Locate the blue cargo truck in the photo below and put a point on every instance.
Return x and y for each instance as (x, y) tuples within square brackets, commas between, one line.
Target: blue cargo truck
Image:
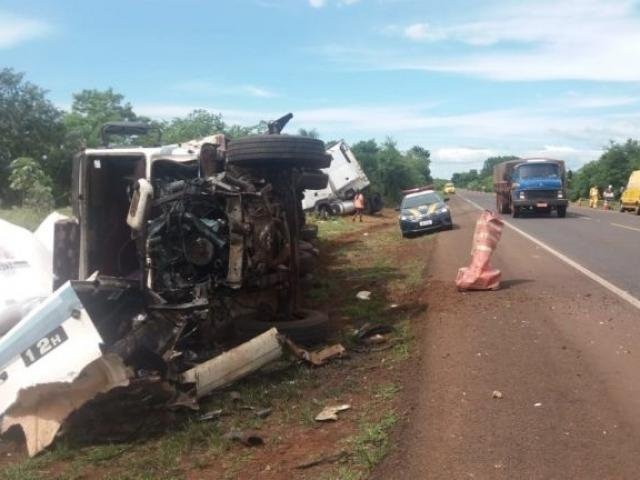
[(534, 184)]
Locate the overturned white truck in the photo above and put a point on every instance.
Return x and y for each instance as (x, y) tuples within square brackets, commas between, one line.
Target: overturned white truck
[(174, 253), (344, 177)]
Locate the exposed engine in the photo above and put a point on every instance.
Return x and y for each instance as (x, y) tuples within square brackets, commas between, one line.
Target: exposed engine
[(215, 232)]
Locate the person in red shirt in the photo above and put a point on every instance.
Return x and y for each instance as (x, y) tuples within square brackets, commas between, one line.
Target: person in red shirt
[(358, 203)]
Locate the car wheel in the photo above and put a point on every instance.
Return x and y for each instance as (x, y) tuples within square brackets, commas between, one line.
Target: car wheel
[(306, 328), (562, 212), (269, 151)]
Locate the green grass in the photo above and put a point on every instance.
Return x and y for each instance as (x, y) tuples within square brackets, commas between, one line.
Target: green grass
[(336, 226), (28, 217), (368, 448)]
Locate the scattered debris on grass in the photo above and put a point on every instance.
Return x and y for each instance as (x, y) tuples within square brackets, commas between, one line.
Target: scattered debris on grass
[(331, 413), (363, 295)]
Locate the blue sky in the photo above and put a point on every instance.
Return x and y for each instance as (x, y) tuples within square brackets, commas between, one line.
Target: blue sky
[(466, 79)]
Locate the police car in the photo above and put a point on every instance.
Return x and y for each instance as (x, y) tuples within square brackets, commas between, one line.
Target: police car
[(422, 211)]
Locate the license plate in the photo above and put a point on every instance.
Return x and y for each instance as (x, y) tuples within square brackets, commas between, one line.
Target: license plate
[(43, 346), (541, 205), (426, 223)]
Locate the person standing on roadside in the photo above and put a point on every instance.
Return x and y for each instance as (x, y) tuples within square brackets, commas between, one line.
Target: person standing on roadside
[(593, 197), (358, 203), (608, 196)]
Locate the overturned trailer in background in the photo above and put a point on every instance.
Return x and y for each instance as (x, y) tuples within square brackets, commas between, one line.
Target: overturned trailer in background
[(341, 180), (175, 253)]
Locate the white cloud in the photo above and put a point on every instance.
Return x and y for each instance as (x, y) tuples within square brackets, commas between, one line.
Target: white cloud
[(258, 91), (323, 3), (15, 29), (422, 31), (461, 155), (203, 87), (530, 40)]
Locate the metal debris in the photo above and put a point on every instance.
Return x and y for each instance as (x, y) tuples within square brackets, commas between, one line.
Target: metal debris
[(263, 413), (212, 415), (234, 364), (363, 295), (317, 358), (331, 413), (369, 330)]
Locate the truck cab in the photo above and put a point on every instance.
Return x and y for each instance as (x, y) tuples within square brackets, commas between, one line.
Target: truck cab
[(346, 177), (531, 185)]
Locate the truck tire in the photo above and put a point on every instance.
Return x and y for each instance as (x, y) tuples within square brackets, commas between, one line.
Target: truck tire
[(313, 180), (562, 212), (516, 212), (277, 151), (374, 203), (309, 327)]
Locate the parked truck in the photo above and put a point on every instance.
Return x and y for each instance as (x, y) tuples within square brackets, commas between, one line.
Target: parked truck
[(345, 178), (534, 184), (630, 199)]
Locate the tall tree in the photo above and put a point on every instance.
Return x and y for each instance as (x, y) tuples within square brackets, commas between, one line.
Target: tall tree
[(30, 125), (423, 157), (91, 109), (198, 123), (312, 133)]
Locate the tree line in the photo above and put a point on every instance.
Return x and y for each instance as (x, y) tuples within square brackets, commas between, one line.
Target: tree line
[(38, 141), (613, 167)]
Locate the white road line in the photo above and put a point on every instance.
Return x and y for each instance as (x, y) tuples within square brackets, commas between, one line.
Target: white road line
[(585, 271), (626, 226)]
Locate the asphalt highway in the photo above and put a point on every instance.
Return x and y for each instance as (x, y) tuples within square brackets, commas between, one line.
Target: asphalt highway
[(538, 380), (605, 242)]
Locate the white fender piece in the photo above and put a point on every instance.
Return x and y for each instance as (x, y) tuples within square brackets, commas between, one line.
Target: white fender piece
[(50, 365), (235, 363)]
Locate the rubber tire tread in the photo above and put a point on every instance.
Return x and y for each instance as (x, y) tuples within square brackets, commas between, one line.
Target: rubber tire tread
[(309, 330), (278, 150)]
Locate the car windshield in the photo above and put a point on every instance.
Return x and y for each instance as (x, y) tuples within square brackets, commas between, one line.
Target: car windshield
[(538, 170), (419, 200)]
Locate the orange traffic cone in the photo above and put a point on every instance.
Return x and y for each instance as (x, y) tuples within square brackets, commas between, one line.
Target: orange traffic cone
[(480, 275)]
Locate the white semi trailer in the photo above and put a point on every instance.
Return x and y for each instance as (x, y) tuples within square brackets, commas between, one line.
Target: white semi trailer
[(346, 177)]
